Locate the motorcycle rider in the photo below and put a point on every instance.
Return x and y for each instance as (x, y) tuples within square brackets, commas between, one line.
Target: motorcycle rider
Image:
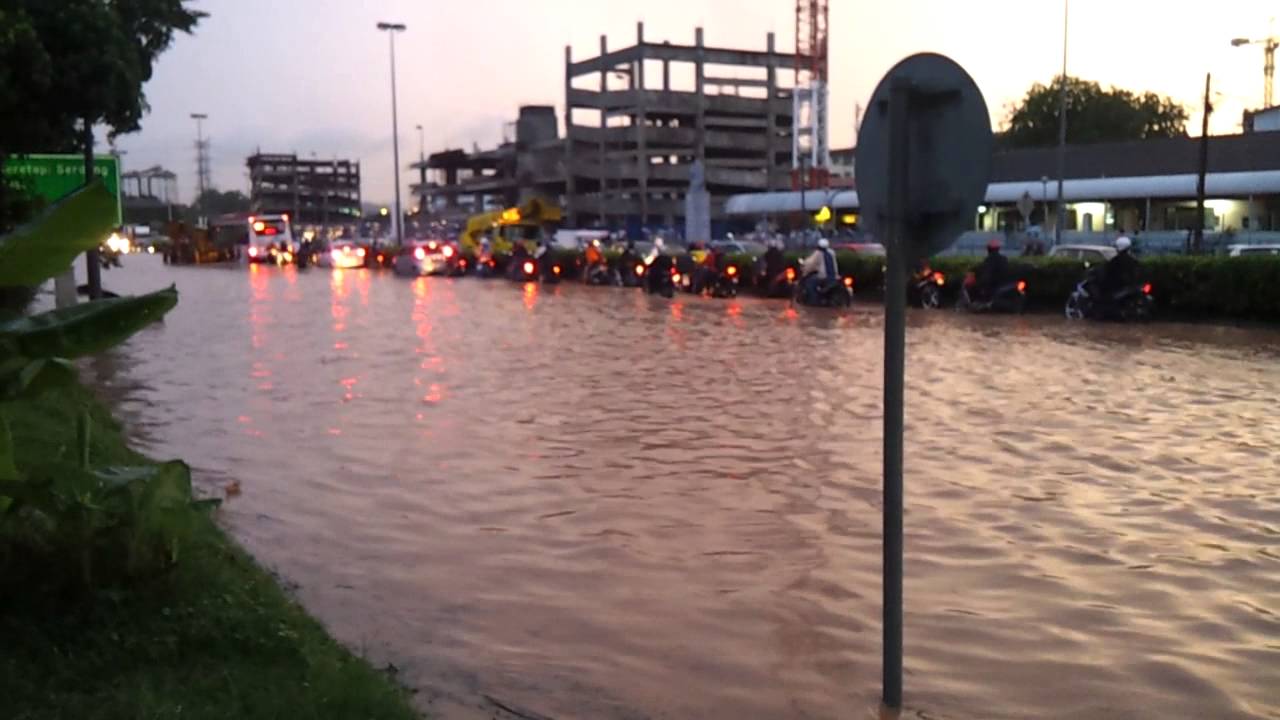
[(991, 272), (1121, 271), (775, 266), (659, 264), (595, 261), (819, 269)]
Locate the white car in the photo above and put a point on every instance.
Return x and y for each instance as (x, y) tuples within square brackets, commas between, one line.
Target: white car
[(1086, 253), (344, 255), (425, 258), (1252, 250)]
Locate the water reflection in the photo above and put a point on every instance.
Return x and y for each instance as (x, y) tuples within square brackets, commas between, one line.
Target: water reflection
[(620, 506)]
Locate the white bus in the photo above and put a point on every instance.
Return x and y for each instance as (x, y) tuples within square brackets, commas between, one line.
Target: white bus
[(271, 239)]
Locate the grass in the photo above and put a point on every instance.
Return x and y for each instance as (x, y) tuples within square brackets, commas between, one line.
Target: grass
[(214, 638)]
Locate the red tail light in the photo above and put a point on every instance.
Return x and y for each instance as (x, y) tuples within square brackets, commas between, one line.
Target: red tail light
[(639, 270), (731, 270), (675, 273), (1146, 289), (360, 252), (462, 263), (253, 251), (791, 274), (448, 251), (940, 279), (848, 282), (555, 269), (528, 267), (379, 257), (420, 254), (1022, 286), (335, 254), (432, 245)]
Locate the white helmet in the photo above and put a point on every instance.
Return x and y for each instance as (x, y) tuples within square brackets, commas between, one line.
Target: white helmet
[(1123, 243), (823, 243), (658, 243)]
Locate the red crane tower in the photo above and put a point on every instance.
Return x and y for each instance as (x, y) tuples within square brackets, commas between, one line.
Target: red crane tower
[(810, 153)]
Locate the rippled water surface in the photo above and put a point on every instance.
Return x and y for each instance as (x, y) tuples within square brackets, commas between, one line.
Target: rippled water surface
[(588, 503)]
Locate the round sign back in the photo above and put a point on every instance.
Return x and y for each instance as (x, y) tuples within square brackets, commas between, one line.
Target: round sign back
[(949, 144)]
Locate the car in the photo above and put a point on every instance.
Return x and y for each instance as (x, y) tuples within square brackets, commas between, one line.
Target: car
[(739, 247), (343, 254), (1085, 253), (860, 248), (1252, 250), (429, 257)]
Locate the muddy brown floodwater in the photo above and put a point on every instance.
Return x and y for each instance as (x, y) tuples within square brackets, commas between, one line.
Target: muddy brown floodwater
[(588, 503)]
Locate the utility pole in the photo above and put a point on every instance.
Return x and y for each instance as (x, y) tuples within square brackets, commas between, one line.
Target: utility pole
[(1061, 222), (391, 30), (93, 263), (1197, 242)]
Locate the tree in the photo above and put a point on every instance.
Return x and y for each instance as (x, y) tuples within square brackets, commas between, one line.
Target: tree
[(1093, 115), (213, 202), (92, 58)]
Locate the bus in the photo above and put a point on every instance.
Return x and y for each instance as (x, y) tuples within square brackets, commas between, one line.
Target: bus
[(271, 239)]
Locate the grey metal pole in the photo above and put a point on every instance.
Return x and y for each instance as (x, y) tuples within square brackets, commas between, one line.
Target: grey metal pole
[(395, 143), (1062, 129), (92, 259), (895, 337)]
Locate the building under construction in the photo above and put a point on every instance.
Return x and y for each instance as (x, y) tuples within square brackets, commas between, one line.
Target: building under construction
[(313, 192), (636, 120)]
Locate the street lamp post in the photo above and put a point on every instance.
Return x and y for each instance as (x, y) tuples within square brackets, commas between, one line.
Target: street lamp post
[(1062, 129), (391, 30)]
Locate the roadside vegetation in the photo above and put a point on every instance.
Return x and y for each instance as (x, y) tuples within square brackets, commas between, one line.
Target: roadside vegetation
[(121, 598)]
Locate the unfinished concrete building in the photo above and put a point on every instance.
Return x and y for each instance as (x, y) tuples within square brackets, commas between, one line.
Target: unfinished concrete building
[(314, 192), (637, 118)]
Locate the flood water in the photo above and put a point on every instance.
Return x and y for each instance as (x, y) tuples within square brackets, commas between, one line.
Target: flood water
[(589, 503)]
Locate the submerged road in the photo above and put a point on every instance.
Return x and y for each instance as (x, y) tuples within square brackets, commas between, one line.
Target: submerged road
[(590, 503)]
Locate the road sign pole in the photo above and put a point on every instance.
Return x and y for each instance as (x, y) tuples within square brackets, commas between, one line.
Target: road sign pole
[(895, 334)]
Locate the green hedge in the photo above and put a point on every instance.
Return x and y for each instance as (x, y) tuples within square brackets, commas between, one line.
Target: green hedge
[(1245, 288)]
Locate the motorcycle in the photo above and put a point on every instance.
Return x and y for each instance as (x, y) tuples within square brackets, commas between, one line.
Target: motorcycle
[(601, 274), (486, 266), (724, 284), (633, 275), (662, 281), (455, 263), (1007, 298), (1131, 304), (783, 286), (830, 293), (523, 270), (926, 289)]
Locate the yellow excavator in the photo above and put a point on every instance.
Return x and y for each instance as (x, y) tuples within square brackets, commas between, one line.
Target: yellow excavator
[(509, 225)]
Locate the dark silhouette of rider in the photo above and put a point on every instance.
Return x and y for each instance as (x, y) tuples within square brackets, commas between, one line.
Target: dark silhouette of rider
[(991, 273)]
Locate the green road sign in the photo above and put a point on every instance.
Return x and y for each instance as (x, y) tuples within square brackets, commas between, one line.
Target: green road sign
[(53, 177)]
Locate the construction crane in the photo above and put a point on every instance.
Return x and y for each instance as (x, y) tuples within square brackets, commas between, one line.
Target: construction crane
[(1269, 45), (810, 152)]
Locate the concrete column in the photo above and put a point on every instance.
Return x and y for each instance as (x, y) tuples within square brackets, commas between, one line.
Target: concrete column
[(700, 85), (570, 189), (1146, 217), (771, 88), (642, 130), (604, 124)]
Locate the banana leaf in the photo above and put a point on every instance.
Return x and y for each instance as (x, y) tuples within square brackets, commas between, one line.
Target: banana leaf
[(48, 244), (86, 328), (33, 377)]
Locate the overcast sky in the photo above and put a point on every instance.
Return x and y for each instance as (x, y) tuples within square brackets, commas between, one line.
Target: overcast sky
[(312, 76)]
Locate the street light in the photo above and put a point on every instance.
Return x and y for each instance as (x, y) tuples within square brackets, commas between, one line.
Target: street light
[(391, 30), (1062, 129)]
